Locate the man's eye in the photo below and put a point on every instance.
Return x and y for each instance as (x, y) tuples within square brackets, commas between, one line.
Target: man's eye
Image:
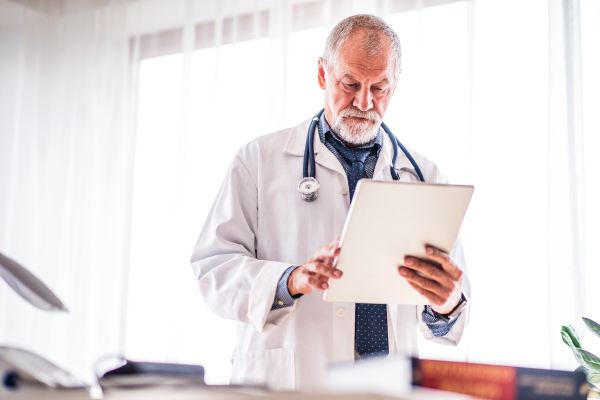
[(379, 89), (352, 85)]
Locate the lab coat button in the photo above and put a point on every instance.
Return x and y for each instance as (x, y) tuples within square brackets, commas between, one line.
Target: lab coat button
[(341, 312), (280, 302), (344, 191)]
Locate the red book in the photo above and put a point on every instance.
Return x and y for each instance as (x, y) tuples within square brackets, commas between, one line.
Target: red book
[(499, 382)]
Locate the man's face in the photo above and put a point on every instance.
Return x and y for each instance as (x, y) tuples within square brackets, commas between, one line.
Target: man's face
[(358, 90)]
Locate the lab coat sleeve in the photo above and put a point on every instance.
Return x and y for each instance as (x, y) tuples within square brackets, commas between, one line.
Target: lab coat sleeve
[(232, 281)]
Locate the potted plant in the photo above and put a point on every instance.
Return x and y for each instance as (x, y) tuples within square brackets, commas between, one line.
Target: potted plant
[(589, 363)]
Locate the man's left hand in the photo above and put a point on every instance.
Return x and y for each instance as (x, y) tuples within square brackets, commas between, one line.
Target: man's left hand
[(441, 286)]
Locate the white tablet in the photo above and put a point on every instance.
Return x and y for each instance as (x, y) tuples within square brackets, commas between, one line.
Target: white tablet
[(386, 222)]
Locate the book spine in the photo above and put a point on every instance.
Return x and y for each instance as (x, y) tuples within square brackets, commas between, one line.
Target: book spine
[(555, 385), (498, 382)]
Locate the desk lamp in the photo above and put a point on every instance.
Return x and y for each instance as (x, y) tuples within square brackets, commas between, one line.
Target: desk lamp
[(28, 286)]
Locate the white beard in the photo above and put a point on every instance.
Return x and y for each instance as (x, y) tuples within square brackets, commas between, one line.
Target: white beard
[(357, 133)]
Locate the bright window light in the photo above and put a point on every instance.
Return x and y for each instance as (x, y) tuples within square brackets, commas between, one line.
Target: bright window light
[(190, 127)]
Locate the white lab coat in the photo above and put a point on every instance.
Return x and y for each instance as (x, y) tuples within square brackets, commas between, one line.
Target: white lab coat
[(257, 228)]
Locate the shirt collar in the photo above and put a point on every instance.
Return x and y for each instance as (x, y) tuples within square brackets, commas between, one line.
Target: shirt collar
[(324, 128)]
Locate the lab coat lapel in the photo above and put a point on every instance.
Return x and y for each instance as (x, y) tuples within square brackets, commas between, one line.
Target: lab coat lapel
[(326, 158), (297, 141)]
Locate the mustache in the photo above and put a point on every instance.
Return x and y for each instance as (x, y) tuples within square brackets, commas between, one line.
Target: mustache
[(355, 113)]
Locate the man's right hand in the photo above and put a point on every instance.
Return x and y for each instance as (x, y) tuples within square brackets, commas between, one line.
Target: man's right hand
[(315, 273)]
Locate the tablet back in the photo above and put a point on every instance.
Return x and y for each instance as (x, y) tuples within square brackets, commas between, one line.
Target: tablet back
[(386, 222)]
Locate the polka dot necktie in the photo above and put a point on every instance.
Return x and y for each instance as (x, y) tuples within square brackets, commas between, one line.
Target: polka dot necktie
[(355, 157), (371, 328)]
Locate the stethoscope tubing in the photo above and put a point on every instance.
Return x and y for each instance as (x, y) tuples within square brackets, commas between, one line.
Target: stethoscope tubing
[(309, 153), (396, 143)]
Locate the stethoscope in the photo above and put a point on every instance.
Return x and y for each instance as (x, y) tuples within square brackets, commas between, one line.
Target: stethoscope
[(309, 185)]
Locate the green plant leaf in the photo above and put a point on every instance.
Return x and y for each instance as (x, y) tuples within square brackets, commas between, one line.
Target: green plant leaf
[(593, 378), (567, 339), (587, 359), (592, 326), (575, 335), (569, 336)]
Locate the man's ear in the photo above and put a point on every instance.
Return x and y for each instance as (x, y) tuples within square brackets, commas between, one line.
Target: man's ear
[(321, 74), (396, 83)]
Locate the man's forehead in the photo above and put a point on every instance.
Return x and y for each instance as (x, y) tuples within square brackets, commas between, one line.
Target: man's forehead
[(357, 58)]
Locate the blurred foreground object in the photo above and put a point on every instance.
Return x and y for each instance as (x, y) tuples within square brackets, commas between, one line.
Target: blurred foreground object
[(21, 368), (500, 382), (384, 378), (34, 377), (142, 374), (389, 376), (28, 286)]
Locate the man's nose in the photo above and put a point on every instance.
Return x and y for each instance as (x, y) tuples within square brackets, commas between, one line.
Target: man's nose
[(363, 100)]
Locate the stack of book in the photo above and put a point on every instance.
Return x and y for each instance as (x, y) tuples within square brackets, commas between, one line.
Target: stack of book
[(499, 382)]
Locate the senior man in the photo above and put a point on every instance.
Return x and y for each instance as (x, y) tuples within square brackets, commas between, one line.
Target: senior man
[(261, 259)]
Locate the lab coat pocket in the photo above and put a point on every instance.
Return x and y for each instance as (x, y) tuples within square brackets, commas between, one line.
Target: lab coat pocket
[(274, 368)]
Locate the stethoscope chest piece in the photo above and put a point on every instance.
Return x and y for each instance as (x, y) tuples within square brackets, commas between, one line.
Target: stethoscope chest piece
[(308, 188)]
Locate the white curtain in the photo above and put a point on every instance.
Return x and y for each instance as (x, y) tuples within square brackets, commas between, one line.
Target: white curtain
[(118, 120), (66, 159), (566, 186)]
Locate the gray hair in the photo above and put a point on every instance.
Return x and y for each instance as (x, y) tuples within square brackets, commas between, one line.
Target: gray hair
[(374, 28)]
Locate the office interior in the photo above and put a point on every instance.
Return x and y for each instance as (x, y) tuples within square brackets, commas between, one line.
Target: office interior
[(119, 119)]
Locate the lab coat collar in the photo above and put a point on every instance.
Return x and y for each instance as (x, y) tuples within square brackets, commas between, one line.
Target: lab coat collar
[(297, 139), (297, 142)]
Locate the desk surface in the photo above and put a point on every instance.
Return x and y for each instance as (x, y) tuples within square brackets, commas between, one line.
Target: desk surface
[(220, 393)]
